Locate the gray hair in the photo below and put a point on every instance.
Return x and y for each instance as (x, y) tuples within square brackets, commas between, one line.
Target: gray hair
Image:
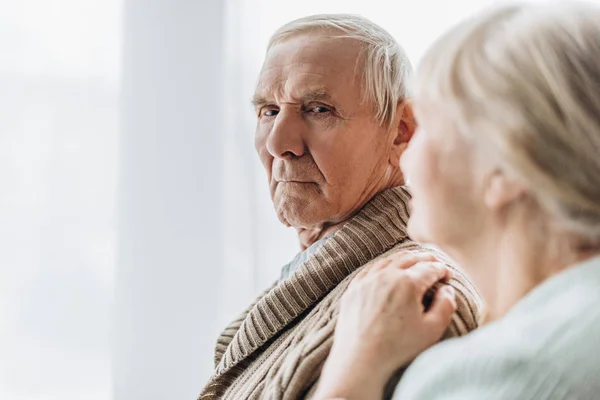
[(525, 84), (386, 70)]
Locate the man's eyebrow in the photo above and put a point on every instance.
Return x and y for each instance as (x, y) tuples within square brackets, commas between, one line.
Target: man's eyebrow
[(259, 100), (321, 94)]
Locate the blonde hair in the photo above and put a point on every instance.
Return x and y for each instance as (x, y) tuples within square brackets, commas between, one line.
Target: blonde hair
[(386, 69), (524, 82)]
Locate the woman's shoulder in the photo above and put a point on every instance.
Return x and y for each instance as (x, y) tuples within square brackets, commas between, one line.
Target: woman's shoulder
[(548, 346), (495, 364)]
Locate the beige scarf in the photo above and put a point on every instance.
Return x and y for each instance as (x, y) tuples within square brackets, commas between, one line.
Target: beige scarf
[(277, 347)]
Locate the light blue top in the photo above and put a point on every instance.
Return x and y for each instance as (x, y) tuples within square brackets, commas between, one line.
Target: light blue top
[(293, 265), (546, 347)]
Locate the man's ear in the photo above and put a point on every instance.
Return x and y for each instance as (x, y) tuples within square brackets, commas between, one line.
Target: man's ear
[(403, 130)]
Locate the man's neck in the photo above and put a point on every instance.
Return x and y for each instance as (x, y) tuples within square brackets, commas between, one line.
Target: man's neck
[(308, 237)]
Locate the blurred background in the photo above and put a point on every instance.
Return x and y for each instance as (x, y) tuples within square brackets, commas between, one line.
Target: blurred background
[(135, 218)]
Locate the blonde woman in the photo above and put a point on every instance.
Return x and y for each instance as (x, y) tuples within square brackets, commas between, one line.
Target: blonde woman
[(505, 174)]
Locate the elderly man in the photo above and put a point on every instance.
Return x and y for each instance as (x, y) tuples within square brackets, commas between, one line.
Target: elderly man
[(332, 124)]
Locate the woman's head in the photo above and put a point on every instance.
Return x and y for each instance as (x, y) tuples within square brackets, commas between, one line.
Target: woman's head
[(508, 105)]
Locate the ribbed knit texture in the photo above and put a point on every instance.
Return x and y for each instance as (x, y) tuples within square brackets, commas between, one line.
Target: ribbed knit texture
[(277, 347)]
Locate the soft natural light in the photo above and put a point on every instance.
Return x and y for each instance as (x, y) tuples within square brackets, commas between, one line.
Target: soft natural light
[(65, 99), (59, 73)]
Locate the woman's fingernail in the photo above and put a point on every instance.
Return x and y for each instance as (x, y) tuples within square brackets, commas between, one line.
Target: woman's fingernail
[(451, 292)]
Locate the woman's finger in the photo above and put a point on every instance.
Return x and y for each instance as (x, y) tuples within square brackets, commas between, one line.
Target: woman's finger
[(409, 260), (379, 265), (441, 310), (358, 277), (427, 274)]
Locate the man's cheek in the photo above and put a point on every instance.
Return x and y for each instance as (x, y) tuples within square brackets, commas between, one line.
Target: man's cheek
[(260, 139), (265, 158)]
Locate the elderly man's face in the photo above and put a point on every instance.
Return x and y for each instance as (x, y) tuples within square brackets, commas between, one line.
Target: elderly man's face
[(324, 153)]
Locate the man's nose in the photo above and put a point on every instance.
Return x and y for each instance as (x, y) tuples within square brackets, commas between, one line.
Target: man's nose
[(285, 138)]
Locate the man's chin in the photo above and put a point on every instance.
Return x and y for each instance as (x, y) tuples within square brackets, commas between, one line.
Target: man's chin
[(301, 218)]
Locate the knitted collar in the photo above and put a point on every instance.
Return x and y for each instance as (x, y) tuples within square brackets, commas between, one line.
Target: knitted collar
[(379, 226)]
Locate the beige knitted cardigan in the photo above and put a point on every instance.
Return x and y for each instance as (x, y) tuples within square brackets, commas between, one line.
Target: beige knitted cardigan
[(277, 347)]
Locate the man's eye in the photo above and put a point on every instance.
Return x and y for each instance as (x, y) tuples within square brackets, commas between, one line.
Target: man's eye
[(269, 112), (320, 109)]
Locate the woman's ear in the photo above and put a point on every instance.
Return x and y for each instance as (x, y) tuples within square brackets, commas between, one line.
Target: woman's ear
[(500, 191), (403, 130)]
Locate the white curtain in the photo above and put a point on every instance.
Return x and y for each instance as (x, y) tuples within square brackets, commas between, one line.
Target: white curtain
[(59, 82), (135, 219)]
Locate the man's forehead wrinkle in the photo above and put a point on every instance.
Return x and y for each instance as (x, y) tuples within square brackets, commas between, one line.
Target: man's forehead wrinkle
[(314, 94), (294, 87), (323, 69), (296, 94)]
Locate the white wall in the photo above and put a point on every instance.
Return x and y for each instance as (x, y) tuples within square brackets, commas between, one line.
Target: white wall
[(169, 199), (59, 67)]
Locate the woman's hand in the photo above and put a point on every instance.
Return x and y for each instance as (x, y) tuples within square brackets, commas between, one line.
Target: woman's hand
[(383, 324)]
